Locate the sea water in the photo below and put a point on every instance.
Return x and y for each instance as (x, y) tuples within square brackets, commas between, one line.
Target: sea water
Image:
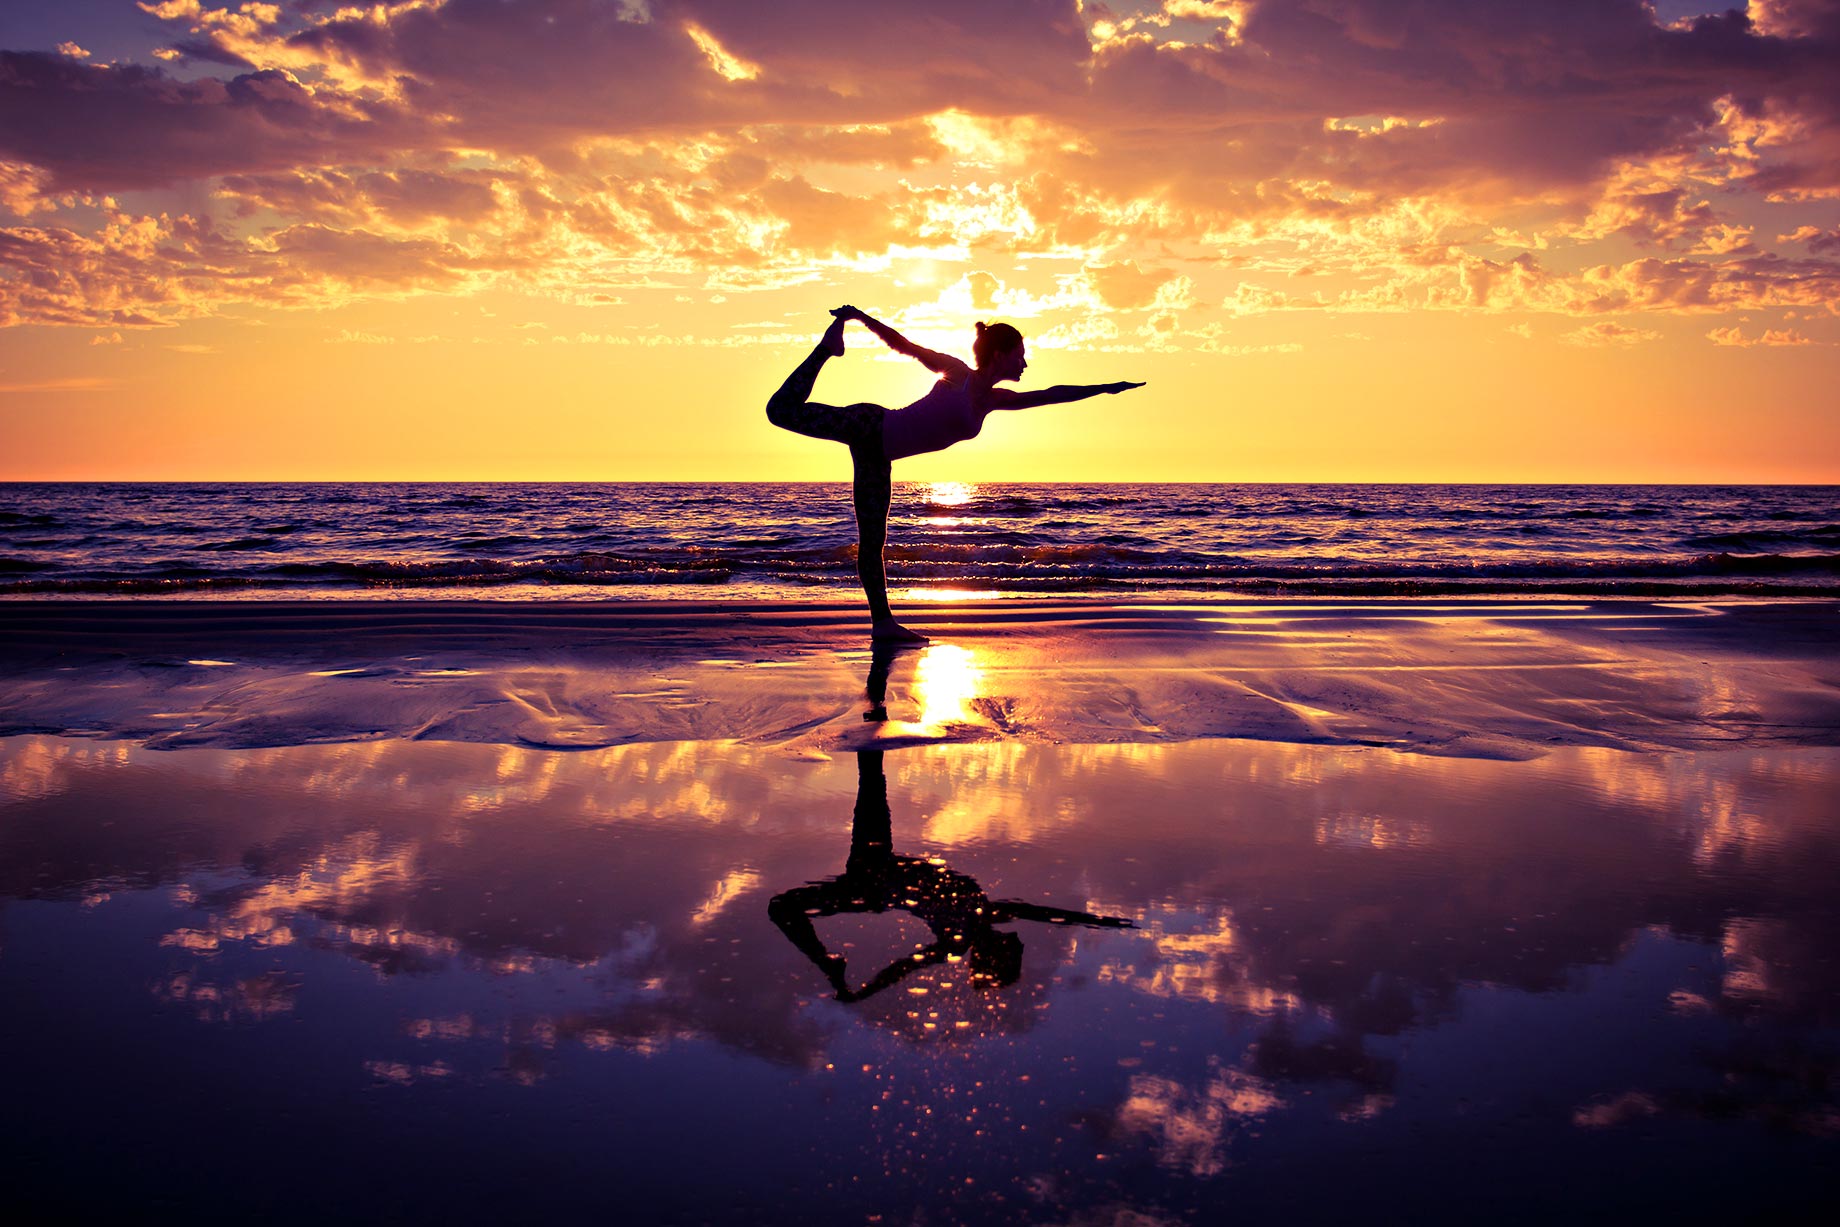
[(786, 540)]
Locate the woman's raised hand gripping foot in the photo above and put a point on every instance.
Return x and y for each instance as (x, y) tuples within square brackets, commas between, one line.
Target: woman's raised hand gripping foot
[(832, 340)]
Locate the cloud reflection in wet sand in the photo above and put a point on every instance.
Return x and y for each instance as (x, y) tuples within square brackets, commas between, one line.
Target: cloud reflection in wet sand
[(1323, 932)]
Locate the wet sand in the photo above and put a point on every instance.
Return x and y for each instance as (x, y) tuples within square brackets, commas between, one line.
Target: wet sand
[(1474, 679), (1082, 913)]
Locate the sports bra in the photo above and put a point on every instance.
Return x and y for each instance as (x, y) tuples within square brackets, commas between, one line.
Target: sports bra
[(944, 416)]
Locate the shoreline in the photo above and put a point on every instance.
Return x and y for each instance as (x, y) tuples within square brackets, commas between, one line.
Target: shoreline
[(746, 592)]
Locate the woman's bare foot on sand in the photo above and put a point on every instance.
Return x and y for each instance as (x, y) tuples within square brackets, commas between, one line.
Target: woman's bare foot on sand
[(890, 631), (833, 336)]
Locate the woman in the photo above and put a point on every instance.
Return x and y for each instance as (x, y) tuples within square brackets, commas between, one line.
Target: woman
[(953, 411)]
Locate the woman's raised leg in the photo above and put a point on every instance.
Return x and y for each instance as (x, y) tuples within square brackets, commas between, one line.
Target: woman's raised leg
[(872, 490), (783, 404)]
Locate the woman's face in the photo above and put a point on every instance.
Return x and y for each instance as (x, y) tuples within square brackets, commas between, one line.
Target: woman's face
[(1011, 363)]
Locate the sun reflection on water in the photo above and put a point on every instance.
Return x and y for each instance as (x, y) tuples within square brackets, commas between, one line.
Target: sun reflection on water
[(948, 595), (946, 680), (950, 493), (945, 494)]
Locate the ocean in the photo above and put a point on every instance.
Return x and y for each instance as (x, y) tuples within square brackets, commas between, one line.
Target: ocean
[(785, 540)]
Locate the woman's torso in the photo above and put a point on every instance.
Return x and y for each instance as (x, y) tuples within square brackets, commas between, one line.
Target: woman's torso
[(944, 416)]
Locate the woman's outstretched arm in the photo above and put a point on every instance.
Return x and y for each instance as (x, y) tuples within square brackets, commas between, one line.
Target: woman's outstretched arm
[(1060, 394), (944, 364)]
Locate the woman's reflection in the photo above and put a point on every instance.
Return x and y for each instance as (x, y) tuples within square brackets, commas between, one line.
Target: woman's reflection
[(963, 919)]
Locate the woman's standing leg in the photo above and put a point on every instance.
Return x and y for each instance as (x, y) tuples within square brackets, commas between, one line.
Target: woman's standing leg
[(873, 489)]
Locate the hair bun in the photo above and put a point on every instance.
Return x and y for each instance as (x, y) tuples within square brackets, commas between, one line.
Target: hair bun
[(981, 326)]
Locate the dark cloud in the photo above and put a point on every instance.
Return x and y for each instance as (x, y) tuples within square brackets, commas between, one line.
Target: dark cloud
[(1510, 101), (111, 127), (209, 52), (536, 76), (1825, 243), (1525, 97)]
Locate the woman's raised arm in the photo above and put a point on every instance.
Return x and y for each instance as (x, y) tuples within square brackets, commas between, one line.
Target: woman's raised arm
[(1060, 394), (944, 364)]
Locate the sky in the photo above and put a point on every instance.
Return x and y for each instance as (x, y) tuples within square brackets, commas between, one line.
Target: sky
[(1342, 240)]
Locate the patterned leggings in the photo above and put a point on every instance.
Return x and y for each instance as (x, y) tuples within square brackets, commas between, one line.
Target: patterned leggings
[(859, 427)]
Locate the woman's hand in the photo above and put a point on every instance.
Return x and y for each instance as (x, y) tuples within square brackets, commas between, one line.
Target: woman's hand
[(1121, 386), (847, 312)]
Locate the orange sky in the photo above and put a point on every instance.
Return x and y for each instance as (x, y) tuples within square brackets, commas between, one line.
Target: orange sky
[(584, 239)]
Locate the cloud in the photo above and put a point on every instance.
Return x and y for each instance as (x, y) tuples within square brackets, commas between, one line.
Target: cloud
[(358, 258), (1500, 102), (141, 271), (822, 223), (25, 190), (727, 66), (1770, 336), (1095, 332), (1820, 242), (1125, 285), (113, 127), (404, 197), (1605, 332), (1445, 155)]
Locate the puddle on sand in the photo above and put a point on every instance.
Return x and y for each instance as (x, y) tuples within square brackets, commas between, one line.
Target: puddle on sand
[(976, 983)]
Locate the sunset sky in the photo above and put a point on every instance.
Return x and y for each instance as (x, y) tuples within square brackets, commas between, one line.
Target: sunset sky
[(1367, 240)]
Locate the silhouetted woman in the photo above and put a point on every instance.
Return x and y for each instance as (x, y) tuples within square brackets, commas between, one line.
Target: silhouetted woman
[(954, 410)]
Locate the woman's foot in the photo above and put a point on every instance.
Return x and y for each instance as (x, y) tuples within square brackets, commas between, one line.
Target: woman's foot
[(832, 341), (887, 630)]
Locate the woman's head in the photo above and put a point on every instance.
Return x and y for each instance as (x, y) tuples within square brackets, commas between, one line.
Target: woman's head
[(998, 344)]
